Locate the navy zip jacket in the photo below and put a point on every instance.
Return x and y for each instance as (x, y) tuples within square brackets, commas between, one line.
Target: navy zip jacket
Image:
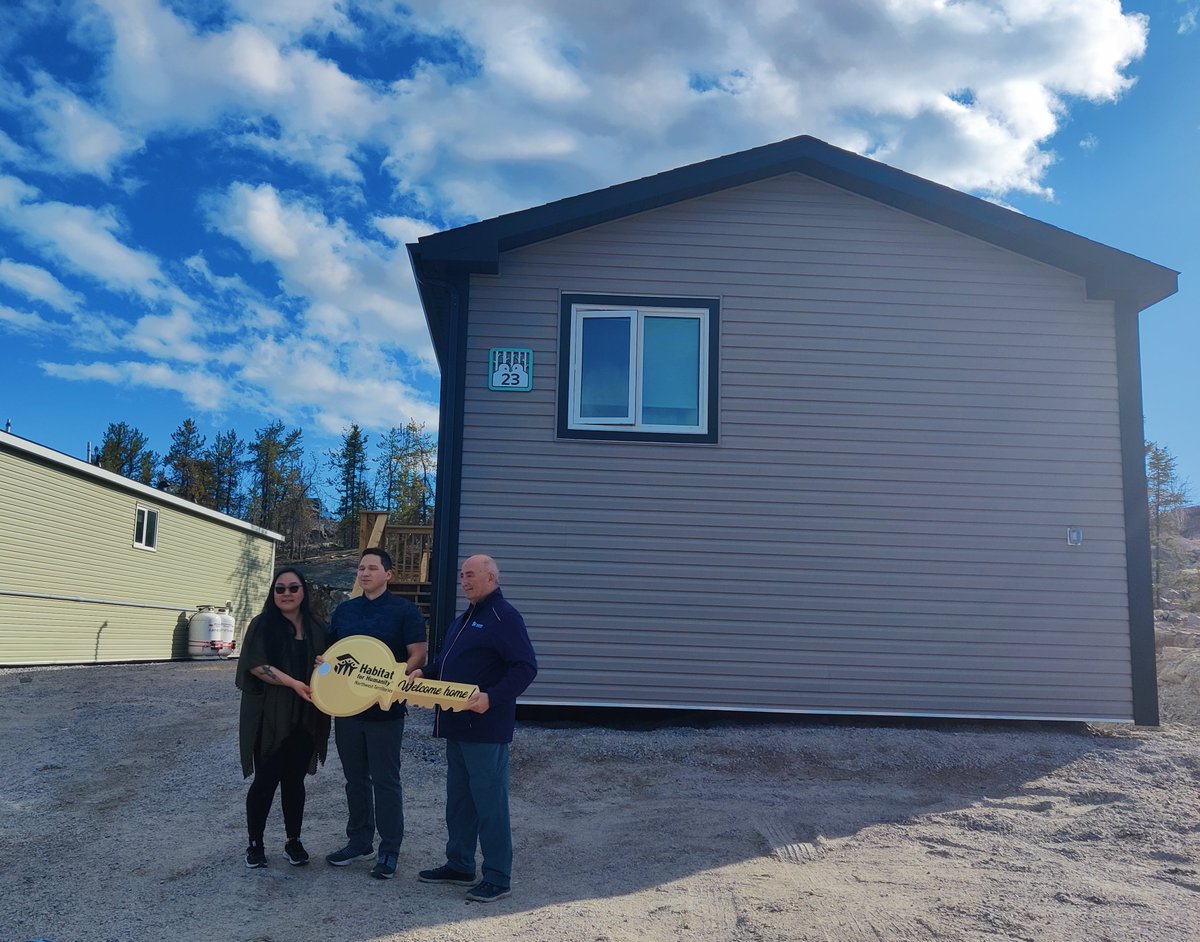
[(487, 645)]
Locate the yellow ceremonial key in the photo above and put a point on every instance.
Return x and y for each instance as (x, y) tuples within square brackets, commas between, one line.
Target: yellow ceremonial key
[(359, 672)]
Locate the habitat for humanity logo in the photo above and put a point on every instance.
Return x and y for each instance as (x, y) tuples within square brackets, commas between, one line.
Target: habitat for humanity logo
[(346, 665)]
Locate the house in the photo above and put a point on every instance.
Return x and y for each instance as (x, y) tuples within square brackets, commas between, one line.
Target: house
[(98, 567), (792, 430)]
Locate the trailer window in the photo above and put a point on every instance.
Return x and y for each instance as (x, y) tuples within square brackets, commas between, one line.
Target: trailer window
[(145, 528)]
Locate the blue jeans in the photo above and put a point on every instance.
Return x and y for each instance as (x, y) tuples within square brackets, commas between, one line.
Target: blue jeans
[(477, 809), (370, 754)]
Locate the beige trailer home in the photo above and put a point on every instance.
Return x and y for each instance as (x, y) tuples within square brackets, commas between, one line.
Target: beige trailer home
[(97, 567)]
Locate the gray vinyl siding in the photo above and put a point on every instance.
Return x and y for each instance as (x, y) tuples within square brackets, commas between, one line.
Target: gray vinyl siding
[(74, 588), (909, 421)]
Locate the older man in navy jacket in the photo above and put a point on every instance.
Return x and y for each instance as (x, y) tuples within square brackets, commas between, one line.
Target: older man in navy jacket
[(487, 646)]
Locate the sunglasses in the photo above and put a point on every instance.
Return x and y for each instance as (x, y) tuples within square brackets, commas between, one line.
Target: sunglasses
[(290, 589)]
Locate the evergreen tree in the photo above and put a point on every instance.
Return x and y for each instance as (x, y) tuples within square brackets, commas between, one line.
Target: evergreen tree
[(298, 515), (226, 463), (1166, 496), (188, 470), (423, 463), (387, 470), (350, 483), (123, 450), (275, 472), (404, 473)]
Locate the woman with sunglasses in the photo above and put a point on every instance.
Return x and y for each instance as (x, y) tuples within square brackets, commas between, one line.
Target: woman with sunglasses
[(282, 735)]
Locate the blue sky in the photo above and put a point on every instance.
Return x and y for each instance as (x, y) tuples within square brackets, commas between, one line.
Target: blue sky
[(204, 203)]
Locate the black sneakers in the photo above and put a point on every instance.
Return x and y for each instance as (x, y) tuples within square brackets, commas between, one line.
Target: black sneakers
[(256, 857), (486, 892), (482, 891), (347, 855), (295, 853), (446, 874)]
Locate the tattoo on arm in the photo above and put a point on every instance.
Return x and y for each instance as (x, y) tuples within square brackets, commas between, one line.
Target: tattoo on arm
[(267, 673)]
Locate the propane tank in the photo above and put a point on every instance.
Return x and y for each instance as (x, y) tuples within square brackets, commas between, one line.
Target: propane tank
[(204, 633), (228, 627)]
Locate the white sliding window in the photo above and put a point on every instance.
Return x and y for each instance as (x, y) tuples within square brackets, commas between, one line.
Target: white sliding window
[(643, 369)]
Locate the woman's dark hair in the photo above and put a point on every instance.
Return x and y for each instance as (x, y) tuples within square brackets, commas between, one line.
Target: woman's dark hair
[(271, 610)]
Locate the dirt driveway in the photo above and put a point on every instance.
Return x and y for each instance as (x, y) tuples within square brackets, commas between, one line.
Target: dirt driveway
[(122, 818)]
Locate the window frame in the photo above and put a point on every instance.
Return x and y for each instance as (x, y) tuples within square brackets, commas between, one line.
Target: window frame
[(575, 308), (143, 525)]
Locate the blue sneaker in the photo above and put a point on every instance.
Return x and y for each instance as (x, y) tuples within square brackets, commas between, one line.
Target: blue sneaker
[(385, 867)]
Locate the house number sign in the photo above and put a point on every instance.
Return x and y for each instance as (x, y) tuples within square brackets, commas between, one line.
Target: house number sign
[(511, 369)]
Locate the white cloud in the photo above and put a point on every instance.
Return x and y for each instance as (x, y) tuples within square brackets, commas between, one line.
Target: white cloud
[(198, 387), (527, 54), (402, 229), (354, 287), (560, 98), (107, 372), (95, 332), (882, 77), (560, 101), (165, 76), (38, 284), (171, 337), (25, 322), (341, 362), (222, 284), (83, 329), (337, 386), (356, 347), (83, 239), (256, 63), (295, 17), (75, 133), (10, 151), (13, 192)]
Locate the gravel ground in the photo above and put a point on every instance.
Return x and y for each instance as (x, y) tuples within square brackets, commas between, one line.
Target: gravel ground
[(123, 819)]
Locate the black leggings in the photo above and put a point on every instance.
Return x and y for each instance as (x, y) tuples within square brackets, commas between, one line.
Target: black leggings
[(284, 769)]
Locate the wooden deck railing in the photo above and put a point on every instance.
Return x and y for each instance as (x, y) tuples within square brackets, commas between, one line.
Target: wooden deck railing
[(409, 545)]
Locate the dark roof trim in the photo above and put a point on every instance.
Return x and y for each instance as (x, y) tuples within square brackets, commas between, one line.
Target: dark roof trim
[(1110, 274)]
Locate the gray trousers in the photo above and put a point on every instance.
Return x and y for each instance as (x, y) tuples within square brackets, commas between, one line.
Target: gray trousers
[(370, 754)]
